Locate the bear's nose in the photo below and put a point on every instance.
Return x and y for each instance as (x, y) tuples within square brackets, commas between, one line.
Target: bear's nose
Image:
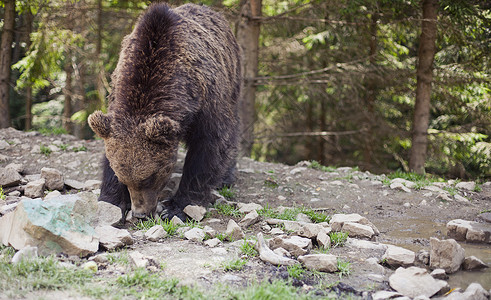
[(139, 215)]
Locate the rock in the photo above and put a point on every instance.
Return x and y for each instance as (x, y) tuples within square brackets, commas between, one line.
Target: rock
[(209, 231), (27, 252), (176, 221), (267, 255), (276, 231), (439, 274), (358, 230), (473, 263), (338, 220), (250, 219), (139, 260), (414, 281), (303, 218), (100, 258), (466, 185), (195, 234), (112, 238), (282, 252), (9, 177), (74, 184), (362, 244), (384, 295), (234, 232), (195, 212), (5, 209), (320, 262), (470, 231), (399, 186), (92, 184), (398, 256), (404, 182), (107, 214), (298, 170), (295, 245), (486, 217), (54, 179), (423, 256), (155, 233), (323, 239), (446, 254), (58, 225), (473, 292), (246, 208), (90, 266), (52, 194), (212, 243), (35, 189), (308, 230), (460, 199)]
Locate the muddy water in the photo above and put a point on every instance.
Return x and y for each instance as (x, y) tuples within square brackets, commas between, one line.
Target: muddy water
[(413, 232)]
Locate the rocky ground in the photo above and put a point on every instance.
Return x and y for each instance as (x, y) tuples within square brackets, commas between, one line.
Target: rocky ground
[(398, 212)]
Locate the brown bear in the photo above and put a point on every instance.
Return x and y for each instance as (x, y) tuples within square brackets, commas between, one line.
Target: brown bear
[(177, 79)]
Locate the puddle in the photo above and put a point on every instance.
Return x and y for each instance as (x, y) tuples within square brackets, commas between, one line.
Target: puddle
[(413, 233)]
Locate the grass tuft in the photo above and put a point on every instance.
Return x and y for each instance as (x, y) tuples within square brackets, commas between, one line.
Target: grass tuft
[(227, 210), (291, 214), (234, 265), (338, 239)]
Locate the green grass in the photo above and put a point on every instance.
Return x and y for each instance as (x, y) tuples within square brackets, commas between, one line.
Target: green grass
[(271, 182), (118, 257), (317, 166), (420, 180), (52, 131), (78, 149), (295, 271), (452, 191), (344, 268), (276, 290), (2, 195), (338, 239), (227, 192), (227, 210), (247, 248), (45, 150), (168, 226), (234, 265), (222, 237), (291, 214), (63, 147)]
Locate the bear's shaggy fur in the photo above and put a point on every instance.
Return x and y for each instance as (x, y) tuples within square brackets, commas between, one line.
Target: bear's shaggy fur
[(177, 79)]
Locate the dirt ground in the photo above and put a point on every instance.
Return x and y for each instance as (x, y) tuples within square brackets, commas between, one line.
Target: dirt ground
[(404, 219)]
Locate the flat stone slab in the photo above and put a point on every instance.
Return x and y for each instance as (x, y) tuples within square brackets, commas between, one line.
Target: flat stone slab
[(469, 231), (414, 281)]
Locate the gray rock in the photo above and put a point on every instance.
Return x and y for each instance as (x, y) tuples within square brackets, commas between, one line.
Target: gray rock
[(298, 170), (248, 207), (74, 184), (155, 233), (209, 231), (485, 217), (276, 231), (414, 281), (323, 239), (439, 274), (52, 194), (308, 230), (398, 256), (139, 260), (296, 245), (267, 255), (250, 219), (234, 232), (112, 238), (54, 179), (470, 231), (383, 295), (303, 218), (195, 212), (446, 254), (9, 177), (17, 167), (212, 242), (320, 262), (107, 214), (399, 186), (195, 234), (473, 263), (33, 223), (358, 230), (92, 184), (423, 256), (473, 292), (338, 220), (404, 182), (35, 189), (5, 209), (461, 199), (27, 252), (4, 145), (282, 252), (466, 185), (362, 244), (177, 221)]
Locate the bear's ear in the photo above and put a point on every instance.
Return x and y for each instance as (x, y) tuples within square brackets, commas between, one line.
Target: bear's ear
[(161, 129), (100, 124)]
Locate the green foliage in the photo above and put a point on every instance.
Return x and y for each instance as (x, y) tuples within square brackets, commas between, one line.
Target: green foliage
[(271, 182), (78, 149), (317, 166), (344, 268), (276, 290), (295, 271), (222, 237), (52, 131), (168, 226), (45, 150), (227, 210), (227, 192), (291, 214), (247, 248), (119, 257), (338, 239), (234, 265), (420, 180), (2, 195)]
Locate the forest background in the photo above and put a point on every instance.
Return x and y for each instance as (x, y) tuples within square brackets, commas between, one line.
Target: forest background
[(380, 84)]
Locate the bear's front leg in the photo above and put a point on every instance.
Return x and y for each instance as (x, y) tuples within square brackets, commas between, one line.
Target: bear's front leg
[(113, 191)]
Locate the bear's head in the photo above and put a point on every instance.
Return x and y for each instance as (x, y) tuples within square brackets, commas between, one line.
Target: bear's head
[(142, 153)]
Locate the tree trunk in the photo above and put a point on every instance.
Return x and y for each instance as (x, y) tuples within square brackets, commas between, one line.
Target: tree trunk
[(101, 91), (426, 54), (28, 120), (67, 107), (6, 61), (248, 31)]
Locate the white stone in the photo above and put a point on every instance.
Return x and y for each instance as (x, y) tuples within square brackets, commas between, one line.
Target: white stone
[(52, 194), (234, 232), (138, 259), (466, 185), (209, 231), (27, 252), (439, 274), (35, 189), (246, 208), (107, 214), (361, 244), (414, 281), (250, 219), (295, 245), (195, 234), (54, 179), (9, 177), (74, 184), (112, 238), (281, 252), (384, 295), (405, 182), (155, 233), (195, 212), (473, 292), (212, 242), (461, 199), (399, 186), (176, 221), (320, 262), (446, 254), (298, 170), (323, 239), (276, 231), (92, 184), (473, 263), (358, 230), (398, 256), (267, 255)]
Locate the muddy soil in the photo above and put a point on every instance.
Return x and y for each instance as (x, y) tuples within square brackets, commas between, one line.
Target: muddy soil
[(404, 219)]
